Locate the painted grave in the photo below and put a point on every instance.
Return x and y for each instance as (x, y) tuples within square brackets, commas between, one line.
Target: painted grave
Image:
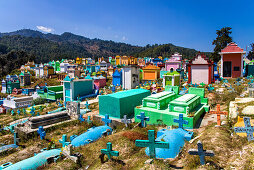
[(191, 105)]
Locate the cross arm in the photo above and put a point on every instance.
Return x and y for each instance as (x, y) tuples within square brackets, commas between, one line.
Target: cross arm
[(142, 143), (193, 152), (209, 153), (162, 145)]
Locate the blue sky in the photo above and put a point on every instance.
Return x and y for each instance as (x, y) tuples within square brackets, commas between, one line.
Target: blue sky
[(187, 23)]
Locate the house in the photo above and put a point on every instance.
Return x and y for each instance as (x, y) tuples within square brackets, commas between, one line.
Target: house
[(151, 72), (171, 79), (113, 61), (133, 61), (125, 60), (141, 62), (56, 66), (10, 83), (74, 89), (73, 72), (25, 78), (232, 61), (90, 68), (200, 70), (110, 70), (174, 62), (118, 60), (156, 61), (104, 65), (39, 71), (130, 76), (78, 60), (48, 71), (117, 78), (64, 67)]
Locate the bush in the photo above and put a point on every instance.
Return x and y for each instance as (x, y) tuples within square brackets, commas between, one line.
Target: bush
[(39, 101)]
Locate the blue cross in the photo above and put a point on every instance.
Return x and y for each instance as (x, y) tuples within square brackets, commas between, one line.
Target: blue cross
[(106, 120), (38, 113), (24, 111), (225, 81), (195, 85), (81, 118), (247, 129), (41, 132), (87, 105), (238, 83), (32, 112), (180, 121), (18, 112), (201, 153), (113, 89), (143, 119), (63, 141)]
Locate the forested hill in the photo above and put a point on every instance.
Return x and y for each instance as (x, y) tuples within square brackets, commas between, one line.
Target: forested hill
[(46, 47)]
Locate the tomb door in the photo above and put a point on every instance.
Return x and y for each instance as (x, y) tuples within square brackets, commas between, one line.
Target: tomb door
[(227, 68), (168, 81)]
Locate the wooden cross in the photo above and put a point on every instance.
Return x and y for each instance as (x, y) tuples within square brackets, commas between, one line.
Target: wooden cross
[(109, 152), (106, 120), (248, 129), (151, 144), (143, 119), (180, 121), (63, 141), (218, 113), (125, 120), (201, 152)]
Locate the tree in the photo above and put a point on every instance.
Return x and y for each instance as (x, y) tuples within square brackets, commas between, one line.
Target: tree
[(250, 55), (223, 38)]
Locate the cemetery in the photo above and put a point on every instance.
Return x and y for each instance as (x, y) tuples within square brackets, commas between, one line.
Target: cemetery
[(125, 112)]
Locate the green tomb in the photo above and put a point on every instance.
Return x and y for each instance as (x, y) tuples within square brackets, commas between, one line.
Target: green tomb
[(169, 105)]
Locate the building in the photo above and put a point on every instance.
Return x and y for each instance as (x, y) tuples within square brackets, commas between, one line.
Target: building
[(125, 60), (78, 60), (232, 61), (133, 61), (151, 72), (19, 102), (110, 70), (121, 103), (11, 82), (171, 79), (130, 77), (77, 88), (64, 67), (25, 78), (73, 72), (174, 62), (117, 78), (99, 81), (51, 92), (48, 71), (104, 65), (39, 71), (200, 70), (118, 60)]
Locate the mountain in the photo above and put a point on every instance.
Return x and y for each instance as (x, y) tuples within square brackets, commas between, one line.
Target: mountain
[(46, 47)]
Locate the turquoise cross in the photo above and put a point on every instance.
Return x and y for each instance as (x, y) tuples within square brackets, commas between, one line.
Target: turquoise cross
[(109, 152), (151, 144)]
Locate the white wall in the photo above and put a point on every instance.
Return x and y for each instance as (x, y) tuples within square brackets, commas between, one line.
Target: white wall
[(199, 74)]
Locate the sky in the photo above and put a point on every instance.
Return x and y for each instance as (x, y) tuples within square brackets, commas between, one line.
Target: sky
[(186, 23)]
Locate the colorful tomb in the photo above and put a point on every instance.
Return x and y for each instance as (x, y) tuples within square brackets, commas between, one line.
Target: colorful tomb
[(171, 79), (121, 103), (192, 106), (151, 72), (51, 92)]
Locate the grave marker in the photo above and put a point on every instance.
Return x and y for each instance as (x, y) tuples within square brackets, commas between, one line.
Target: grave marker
[(180, 121), (80, 118), (151, 143), (87, 106), (143, 119), (18, 112), (106, 120), (217, 81), (202, 84), (12, 112), (218, 113), (125, 120), (109, 152), (63, 141), (88, 120), (41, 132), (248, 129), (201, 152)]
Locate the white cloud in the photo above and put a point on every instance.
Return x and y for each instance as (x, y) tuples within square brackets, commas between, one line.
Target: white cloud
[(124, 38), (45, 29)]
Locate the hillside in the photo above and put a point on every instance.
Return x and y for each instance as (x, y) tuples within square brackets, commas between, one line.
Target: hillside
[(46, 47)]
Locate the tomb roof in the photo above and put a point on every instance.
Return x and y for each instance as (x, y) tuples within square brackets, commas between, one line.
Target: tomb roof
[(127, 93), (159, 95), (185, 98), (232, 48)]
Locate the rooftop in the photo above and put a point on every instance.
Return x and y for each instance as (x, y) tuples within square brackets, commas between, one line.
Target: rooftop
[(128, 93)]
